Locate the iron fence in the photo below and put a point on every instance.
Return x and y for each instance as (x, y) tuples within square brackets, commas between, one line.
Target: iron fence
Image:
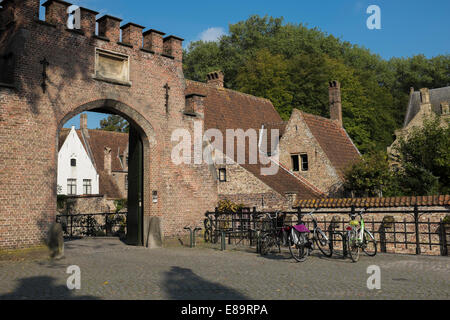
[(418, 231), (93, 225)]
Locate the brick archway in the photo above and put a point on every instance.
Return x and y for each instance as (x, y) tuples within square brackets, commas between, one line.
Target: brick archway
[(140, 131)]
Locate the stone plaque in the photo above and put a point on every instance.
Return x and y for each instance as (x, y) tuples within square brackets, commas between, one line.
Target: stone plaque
[(112, 66)]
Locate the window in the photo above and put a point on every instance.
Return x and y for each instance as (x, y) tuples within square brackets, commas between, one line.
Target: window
[(300, 162), (295, 163), (126, 182), (223, 175), (87, 186), (305, 164), (73, 162), (72, 187)]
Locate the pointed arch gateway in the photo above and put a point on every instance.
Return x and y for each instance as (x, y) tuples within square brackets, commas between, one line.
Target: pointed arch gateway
[(141, 140)]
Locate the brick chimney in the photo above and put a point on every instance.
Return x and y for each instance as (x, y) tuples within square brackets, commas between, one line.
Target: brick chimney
[(335, 102), (84, 125), (215, 78), (107, 161)]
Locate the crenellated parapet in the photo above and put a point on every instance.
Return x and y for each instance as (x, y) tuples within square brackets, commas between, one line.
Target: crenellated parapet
[(109, 28)]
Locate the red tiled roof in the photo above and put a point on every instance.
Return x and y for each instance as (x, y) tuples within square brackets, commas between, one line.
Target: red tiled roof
[(425, 201), (334, 141), (229, 109)]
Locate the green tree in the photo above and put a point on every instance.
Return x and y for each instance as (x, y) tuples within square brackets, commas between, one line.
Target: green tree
[(115, 123), (369, 177), (300, 63), (424, 158)]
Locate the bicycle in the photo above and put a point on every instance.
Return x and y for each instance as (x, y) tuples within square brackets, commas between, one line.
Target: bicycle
[(271, 235), (358, 237), (300, 244)]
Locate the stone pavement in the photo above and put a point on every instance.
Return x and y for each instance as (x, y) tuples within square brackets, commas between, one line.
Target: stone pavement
[(112, 270)]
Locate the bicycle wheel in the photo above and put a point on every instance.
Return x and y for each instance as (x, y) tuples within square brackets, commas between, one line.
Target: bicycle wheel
[(265, 245), (298, 252), (369, 244), (352, 245), (323, 243)]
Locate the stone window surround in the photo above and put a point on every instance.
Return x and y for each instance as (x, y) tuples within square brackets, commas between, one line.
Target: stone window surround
[(303, 166)]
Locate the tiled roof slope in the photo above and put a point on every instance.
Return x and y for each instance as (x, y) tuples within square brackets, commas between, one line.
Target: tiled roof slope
[(426, 201), (436, 97), (117, 141), (334, 141), (229, 109), (283, 182)]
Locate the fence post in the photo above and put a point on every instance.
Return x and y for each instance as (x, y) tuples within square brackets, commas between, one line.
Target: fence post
[(416, 223), (216, 216), (71, 226), (444, 239)]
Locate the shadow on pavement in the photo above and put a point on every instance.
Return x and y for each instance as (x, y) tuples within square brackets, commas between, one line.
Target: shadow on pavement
[(183, 284), (42, 288)]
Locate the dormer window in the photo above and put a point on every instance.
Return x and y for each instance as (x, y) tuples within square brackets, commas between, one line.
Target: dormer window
[(73, 162)]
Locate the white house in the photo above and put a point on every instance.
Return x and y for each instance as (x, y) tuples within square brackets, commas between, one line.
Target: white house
[(76, 172)]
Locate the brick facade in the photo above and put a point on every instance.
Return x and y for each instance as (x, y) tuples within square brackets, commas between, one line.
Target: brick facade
[(33, 109)]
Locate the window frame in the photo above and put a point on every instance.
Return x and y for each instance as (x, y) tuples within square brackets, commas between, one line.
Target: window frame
[(71, 186), (224, 171), (304, 156), (294, 166), (73, 162), (85, 186)]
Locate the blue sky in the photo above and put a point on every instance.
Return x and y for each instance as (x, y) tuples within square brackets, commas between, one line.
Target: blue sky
[(409, 27)]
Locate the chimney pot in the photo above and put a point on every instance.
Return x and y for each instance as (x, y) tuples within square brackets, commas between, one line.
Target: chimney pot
[(216, 78), (335, 102)]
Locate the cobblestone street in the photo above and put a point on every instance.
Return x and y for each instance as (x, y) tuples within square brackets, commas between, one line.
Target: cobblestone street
[(112, 270)]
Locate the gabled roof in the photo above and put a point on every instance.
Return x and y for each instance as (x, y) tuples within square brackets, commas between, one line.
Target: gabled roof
[(97, 141), (436, 97), (334, 141), (229, 109)]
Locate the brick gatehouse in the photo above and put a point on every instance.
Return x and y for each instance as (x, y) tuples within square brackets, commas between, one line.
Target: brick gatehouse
[(50, 74)]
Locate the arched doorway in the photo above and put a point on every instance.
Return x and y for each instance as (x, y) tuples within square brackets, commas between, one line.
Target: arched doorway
[(141, 140)]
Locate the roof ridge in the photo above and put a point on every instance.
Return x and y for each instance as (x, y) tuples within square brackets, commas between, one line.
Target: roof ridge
[(227, 89)]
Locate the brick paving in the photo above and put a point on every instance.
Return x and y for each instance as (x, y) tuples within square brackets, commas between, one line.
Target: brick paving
[(112, 270)]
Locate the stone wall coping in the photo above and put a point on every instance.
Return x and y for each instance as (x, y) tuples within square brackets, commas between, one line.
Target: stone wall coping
[(421, 201)]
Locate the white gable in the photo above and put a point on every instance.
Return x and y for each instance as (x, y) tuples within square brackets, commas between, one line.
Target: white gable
[(84, 169)]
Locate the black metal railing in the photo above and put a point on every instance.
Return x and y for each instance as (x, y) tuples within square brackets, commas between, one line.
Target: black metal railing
[(93, 225), (415, 232)]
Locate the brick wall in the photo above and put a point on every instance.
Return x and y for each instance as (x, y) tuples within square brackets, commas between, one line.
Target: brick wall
[(31, 118)]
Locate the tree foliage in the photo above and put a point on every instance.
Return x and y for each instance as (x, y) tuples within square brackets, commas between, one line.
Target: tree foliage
[(115, 123), (291, 65), (423, 166)]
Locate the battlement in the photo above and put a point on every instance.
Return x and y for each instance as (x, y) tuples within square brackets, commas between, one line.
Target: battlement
[(85, 22)]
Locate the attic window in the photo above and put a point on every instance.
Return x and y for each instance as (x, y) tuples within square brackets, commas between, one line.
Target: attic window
[(73, 162)]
